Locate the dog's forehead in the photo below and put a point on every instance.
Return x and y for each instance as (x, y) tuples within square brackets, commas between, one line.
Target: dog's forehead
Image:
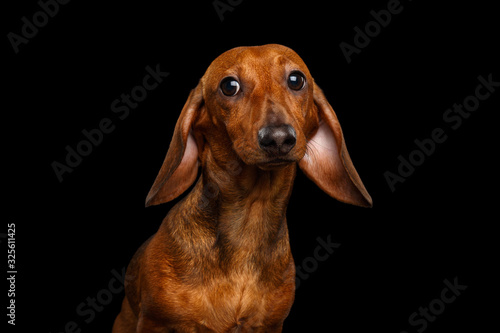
[(256, 57)]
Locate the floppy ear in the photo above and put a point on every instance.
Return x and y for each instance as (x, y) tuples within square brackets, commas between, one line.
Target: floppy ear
[(327, 162), (180, 167)]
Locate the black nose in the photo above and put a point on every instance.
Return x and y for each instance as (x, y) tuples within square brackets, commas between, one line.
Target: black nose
[(277, 140)]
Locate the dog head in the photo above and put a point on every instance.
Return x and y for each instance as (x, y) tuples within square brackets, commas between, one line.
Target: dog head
[(260, 105)]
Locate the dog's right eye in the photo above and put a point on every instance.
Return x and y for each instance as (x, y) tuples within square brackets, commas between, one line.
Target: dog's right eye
[(229, 86), (296, 80)]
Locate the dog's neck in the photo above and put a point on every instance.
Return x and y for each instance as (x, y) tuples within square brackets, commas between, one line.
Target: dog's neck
[(249, 206), (243, 209)]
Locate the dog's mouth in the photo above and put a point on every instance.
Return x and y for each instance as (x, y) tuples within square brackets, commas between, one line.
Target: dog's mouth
[(275, 163), (251, 154)]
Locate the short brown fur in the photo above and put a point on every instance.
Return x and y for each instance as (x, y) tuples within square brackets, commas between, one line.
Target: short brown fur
[(221, 259)]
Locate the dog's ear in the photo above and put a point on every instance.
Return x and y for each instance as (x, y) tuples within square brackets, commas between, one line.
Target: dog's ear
[(180, 167), (327, 161)]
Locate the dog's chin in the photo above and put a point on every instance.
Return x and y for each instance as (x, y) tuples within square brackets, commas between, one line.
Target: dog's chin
[(274, 164), (270, 162)]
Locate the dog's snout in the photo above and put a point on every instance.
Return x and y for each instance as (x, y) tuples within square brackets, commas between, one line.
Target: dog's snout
[(277, 140)]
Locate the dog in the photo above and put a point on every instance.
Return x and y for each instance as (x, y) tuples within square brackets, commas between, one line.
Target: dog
[(221, 259)]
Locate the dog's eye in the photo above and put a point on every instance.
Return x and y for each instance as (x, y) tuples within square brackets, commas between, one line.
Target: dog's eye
[(229, 86), (296, 81)]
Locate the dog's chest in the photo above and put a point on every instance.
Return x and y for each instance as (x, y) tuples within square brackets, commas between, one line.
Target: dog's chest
[(235, 303), (238, 299)]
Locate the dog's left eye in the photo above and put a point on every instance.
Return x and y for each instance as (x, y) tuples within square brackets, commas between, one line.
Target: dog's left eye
[(296, 81), (229, 86)]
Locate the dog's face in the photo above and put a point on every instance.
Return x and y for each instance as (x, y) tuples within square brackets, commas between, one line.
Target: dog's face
[(259, 105), (263, 97)]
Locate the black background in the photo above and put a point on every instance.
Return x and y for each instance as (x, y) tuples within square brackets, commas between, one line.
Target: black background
[(393, 258)]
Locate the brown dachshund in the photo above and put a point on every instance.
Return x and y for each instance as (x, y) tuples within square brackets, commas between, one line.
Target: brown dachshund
[(221, 259)]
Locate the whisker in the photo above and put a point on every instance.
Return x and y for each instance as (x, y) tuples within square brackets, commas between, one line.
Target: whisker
[(322, 146)]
